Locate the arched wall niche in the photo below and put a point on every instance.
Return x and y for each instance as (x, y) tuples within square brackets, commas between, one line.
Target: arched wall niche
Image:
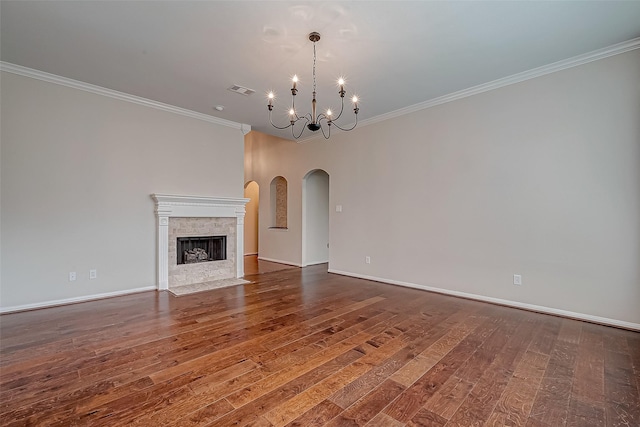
[(279, 202)]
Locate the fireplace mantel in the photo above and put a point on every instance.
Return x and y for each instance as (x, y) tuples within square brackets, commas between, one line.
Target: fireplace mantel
[(168, 206)]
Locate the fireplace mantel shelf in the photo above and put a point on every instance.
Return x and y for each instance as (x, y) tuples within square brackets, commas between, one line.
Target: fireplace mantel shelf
[(198, 206), (170, 206)]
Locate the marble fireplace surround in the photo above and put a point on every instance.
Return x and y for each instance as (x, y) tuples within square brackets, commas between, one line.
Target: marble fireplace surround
[(173, 206)]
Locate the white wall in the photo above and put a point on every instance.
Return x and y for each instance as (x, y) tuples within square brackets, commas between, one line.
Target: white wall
[(539, 178), (77, 173), (316, 217), (252, 192)]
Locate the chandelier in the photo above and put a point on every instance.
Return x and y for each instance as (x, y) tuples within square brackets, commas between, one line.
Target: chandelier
[(312, 121)]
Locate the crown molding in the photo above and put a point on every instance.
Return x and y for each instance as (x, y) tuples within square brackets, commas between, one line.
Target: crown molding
[(564, 64), (575, 61), (98, 90)]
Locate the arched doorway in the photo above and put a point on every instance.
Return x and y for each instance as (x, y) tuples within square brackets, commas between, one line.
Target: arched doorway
[(315, 217), (251, 220)]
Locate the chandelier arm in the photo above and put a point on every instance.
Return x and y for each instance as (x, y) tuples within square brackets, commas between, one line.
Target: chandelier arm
[(279, 127), (351, 128), (321, 117), (295, 112), (341, 109), (301, 130), (327, 135)]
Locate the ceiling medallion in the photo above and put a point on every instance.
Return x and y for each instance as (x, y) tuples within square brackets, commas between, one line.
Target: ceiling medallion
[(314, 122)]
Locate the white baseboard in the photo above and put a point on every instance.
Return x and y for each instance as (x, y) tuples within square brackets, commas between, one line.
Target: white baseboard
[(531, 307), (66, 301), (279, 261), (315, 263)]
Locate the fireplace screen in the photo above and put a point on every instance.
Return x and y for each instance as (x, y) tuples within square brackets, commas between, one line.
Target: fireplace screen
[(201, 249)]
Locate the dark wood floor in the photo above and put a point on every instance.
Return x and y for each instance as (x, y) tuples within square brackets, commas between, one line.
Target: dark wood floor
[(254, 266), (303, 347)]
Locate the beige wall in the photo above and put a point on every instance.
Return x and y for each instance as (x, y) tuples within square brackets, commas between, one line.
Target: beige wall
[(251, 191), (77, 173), (540, 178), (267, 157)]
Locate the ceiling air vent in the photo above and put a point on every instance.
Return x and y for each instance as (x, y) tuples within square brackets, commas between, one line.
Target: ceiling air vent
[(242, 90)]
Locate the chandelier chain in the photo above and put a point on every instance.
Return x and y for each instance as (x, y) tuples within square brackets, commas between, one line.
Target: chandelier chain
[(314, 67)]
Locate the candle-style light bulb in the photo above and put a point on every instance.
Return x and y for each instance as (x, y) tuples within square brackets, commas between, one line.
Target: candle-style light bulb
[(270, 95), (341, 83), (329, 113), (292, 112), (354, 100), (295, 80)]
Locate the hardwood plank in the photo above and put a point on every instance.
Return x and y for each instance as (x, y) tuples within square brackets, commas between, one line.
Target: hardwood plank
[(415, 342), (515, 403), (426, 418), (203, 416), (570, 331), (260, 422), (383, 420), (445, 341), (304, 347), (368, 406), (446, 401), (413, 398), (319, 415), (242, 397), (552, 401), (315, 395), (306, 400), (585, 414), (267, 401), (588, 385), (621, 390), (480, 402)]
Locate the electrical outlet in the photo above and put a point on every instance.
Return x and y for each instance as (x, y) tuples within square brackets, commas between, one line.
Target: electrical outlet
[(338, 208), (367, 259), (517, 279), (72, 276), (93, 274)]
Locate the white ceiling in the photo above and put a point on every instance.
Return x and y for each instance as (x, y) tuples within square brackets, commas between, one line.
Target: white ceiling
[(393, 54)]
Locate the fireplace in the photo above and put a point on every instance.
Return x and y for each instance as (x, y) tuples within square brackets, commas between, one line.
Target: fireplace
[(201, 249), (198, 217)]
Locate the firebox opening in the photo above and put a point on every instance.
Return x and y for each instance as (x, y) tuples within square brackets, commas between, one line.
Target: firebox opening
[(201, 249)]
